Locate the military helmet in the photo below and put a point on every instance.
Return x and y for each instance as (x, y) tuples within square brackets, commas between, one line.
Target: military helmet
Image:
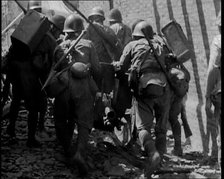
[(58, 21), (73, 23), (115, 16), (143, 29), (218, 19), (34, 4), (97, 11)]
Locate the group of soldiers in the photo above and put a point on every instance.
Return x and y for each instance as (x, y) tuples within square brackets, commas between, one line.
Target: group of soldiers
[(93, 76)]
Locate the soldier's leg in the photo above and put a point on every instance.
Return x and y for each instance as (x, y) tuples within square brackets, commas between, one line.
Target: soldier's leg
[(32, 125), (175, 125), (84, 118), (144, 123), (61, 115), (14, 109), (187, 129), (162, 108), (43, 110)]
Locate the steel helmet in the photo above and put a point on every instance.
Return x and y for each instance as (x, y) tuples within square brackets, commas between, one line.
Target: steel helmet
[(115, 16), (143, 29), (34, 4), (97, 11), (58, 21), (73, 23)]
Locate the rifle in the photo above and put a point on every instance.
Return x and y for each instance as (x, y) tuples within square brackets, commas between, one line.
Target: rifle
[(52, 71)]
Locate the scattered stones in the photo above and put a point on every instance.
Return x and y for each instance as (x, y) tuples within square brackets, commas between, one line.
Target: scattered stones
[(105, 161)]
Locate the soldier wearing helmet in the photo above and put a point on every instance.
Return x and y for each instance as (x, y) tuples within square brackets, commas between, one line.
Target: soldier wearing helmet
[(75, 104), (213, 95), (150, 90), (31, 72), (123, 33), (57, 27), (108, 50)]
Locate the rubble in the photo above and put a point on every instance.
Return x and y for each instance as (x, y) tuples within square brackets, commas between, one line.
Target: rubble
[(105, 159)]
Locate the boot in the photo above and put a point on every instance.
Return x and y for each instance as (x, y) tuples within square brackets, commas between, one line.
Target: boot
[(153, 164), (177, 146), (153, 160)]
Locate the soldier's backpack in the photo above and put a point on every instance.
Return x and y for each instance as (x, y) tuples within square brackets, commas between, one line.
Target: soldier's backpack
[(177, 75)]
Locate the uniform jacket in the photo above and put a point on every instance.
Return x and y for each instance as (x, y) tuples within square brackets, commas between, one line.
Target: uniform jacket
[(83, 52), (107, 50), (150, 72)]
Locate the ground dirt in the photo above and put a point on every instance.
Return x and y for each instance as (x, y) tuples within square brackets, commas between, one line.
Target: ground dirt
[(105, 161)]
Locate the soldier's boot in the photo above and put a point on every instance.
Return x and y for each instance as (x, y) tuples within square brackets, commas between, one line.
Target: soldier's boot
[(178, 151), (176, 128), (160, 144), (79, 157), (154, 159), (32, 127)]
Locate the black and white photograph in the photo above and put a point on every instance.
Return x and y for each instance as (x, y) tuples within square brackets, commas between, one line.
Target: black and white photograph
[(111, 89)]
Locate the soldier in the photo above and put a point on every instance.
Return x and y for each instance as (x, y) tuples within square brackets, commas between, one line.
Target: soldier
[(151, 91), (108, 49), (27, 72), (75, 104), (122, 98), (122, 31), (175, 110), (106, 44), (58, 21), (213, 93)]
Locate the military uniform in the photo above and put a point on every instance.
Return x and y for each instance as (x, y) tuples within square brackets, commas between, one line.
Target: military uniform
[(75, 104), (105, 52)]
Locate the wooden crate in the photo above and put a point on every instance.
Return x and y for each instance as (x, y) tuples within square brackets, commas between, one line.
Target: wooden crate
[(177, 41), (31, 29)]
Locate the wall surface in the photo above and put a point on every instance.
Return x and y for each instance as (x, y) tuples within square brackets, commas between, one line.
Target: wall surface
[(197, 18)]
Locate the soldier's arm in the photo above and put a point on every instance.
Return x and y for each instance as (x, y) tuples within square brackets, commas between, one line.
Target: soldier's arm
[(125, 60)]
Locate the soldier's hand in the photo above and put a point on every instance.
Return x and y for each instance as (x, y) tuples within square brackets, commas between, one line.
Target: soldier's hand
[(117, 66)]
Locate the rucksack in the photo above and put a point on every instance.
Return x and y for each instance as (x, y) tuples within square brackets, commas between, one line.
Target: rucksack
[(177, 75)]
